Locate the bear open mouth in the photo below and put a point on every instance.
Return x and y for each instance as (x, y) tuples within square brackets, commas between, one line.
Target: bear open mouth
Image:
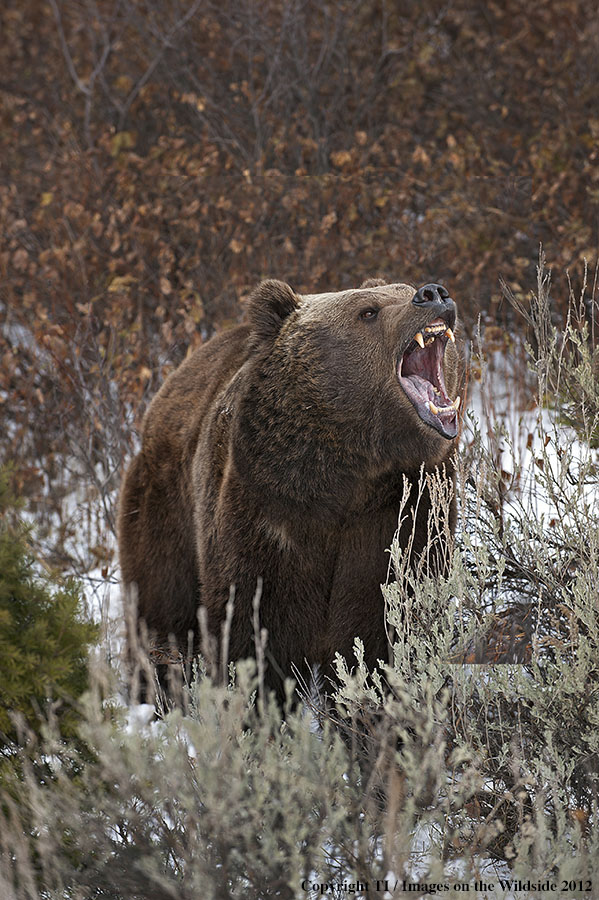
[(420, 373)]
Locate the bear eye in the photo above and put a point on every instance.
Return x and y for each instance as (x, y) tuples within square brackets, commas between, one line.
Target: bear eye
[(369, 313)]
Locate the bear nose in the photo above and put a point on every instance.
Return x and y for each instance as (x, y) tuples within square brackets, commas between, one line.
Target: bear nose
[(430, 294)]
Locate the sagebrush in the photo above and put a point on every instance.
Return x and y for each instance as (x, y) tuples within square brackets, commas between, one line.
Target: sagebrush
[(475, 751)]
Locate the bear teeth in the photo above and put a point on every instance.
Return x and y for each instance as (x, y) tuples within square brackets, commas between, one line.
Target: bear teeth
[(433, 331), (436, 410)]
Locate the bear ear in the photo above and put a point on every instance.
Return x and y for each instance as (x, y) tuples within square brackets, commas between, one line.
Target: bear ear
[(373, 282), (269, 304)]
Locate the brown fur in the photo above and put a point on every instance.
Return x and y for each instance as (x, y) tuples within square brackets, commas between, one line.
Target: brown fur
[(277, 451)]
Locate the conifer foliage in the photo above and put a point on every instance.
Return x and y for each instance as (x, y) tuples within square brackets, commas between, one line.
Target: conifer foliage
[(43, 641)]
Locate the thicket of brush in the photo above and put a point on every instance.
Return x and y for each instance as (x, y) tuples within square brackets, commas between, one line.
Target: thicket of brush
[(480, 743)]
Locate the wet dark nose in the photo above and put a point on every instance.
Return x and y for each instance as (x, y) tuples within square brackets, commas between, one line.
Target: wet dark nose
[(430, 294)]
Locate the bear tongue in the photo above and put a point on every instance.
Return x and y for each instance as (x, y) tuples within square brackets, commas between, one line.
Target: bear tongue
[(423, 368), (422, 386)]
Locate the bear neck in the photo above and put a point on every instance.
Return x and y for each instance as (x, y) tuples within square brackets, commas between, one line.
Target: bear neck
[(298, 459)]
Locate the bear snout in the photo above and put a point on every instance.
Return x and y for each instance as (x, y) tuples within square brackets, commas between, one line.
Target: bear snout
[(431, 295)]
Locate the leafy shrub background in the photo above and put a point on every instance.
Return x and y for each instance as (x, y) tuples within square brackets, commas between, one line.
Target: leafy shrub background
[(159, 158)]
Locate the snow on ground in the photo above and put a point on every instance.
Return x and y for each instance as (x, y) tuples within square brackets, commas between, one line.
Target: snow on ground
[(522, 437)]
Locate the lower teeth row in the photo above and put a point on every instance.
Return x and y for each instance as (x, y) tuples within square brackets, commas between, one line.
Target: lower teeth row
[(436, 410)]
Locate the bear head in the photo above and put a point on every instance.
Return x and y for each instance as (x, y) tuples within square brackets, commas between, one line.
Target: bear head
[(363, 378)]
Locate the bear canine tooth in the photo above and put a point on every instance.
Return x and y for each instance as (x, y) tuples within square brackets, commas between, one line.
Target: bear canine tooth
[(419, 339), (440, 410), (450, 335)]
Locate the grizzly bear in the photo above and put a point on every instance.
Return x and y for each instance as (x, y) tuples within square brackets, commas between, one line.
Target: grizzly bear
[(278, 454)]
